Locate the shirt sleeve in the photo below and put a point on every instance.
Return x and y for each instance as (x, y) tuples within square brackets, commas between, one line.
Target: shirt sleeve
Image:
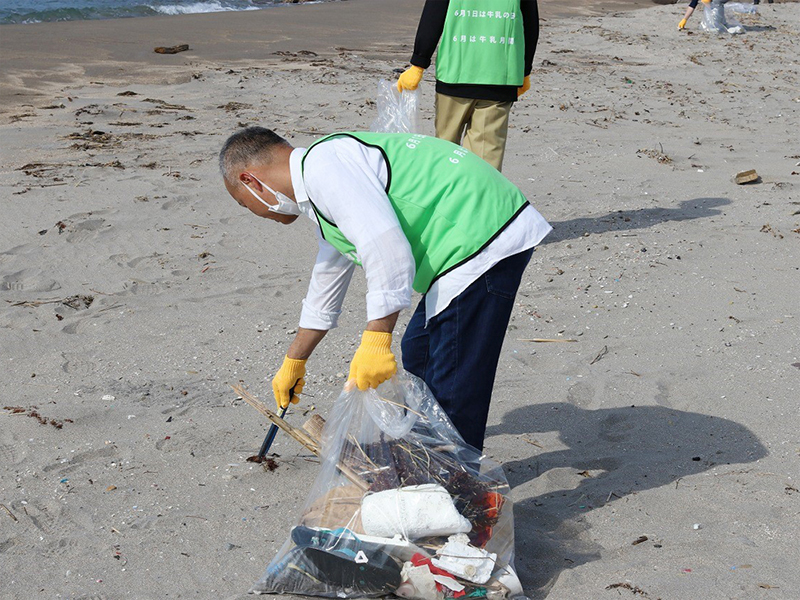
[(326, 290), (345, 180), (530, 19), (431, 25)]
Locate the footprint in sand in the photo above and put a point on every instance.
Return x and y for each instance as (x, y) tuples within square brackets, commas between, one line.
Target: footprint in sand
[(8, 454), (12, 451), (151, 260), (120, 260), (61, 547), (86, 230), (81, 458), (581, 394), (192, 441), (143, 288), (76, 364), (28, 280), (12, 546)]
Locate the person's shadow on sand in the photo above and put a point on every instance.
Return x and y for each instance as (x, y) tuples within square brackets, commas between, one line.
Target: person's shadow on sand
[(610, 453), (640, 218)]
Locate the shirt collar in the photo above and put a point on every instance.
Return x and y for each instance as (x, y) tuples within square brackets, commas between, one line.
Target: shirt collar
[(299, 186), (296, 170)]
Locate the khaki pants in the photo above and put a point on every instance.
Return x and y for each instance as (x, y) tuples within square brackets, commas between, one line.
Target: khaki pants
[(485, 122)]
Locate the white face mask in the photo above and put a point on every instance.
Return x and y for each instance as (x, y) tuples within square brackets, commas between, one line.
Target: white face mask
[(284, 206)]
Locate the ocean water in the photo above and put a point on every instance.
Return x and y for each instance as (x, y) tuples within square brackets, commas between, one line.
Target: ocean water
[(37, 11)]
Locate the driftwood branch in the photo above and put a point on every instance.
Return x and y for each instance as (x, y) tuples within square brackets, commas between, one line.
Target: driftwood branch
[(298, 434)]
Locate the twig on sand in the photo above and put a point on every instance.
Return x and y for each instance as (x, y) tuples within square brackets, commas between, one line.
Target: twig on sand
[(600, 355), (10, 514), (35, 302), (532, 442)]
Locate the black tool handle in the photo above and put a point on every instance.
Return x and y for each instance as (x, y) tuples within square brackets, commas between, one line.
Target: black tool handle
[(273, 430)]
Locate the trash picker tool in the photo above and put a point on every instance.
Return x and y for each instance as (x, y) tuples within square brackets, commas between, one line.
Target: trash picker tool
[(273, 430), (267, 443)]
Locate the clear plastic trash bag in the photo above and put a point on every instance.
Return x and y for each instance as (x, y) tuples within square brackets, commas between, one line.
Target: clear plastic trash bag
[(718, 16), (397, 112), (402, 505)]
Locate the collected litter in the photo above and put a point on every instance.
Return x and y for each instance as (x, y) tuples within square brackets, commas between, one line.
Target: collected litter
[(171, 49), (718, 16), (748, 176), (402, 505)]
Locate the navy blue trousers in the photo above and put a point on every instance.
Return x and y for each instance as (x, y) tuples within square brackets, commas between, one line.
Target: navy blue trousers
[(457, 353)]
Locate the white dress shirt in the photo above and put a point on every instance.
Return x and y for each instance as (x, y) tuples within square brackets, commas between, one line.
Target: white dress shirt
[(346, 181)]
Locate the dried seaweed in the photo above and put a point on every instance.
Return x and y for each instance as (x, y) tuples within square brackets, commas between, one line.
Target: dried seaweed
[(33, 413)]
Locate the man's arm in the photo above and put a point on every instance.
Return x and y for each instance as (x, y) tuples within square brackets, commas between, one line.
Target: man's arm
[(304, 343), (384, 325), (323, 303), (530, 19), (347, 182), (330, 278), (431, 25)]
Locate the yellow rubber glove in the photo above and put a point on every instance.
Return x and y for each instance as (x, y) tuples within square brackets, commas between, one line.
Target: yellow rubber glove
[(373, 362), (289, 376), (526, 85), (410, 78), (682, 24), (706, 1)]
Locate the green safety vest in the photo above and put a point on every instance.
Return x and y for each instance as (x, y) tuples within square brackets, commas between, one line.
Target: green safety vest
[(483, 42), (450, 203)]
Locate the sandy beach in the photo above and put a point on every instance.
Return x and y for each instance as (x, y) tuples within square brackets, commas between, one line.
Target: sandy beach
[(655, 456)]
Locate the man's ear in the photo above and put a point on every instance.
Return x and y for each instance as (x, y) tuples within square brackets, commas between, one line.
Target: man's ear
[(248, 179)]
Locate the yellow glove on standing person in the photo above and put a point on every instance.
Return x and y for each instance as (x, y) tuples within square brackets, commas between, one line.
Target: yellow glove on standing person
[(410, 78), (526, 85), (289, 376), (373, 362), (682, 24)]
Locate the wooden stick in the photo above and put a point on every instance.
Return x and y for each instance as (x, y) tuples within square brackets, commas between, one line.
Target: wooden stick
[(36, 302), (298, 434), (10, 514), (314, 427)]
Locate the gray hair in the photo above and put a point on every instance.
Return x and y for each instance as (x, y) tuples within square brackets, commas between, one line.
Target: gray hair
[(245, 147)]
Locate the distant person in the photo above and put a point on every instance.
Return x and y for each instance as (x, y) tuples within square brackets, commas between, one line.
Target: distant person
[(689, 12), (483, 65), (693, 5)]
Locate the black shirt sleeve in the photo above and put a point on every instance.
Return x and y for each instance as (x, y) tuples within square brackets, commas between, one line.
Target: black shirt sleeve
[(530, 19), (431, 25)]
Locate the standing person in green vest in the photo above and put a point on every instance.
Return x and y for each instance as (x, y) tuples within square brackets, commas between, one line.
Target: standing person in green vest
[(483, 65), (412, 211)]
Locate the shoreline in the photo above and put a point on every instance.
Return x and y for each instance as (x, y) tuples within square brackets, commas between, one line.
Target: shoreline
[(41, 56)]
